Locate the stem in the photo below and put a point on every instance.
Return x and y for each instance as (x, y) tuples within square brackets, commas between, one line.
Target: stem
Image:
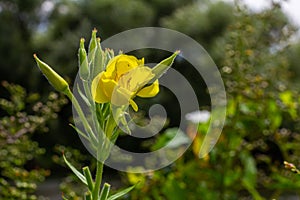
[(98, 180), (108, 129), (81, 115), (110, 126)]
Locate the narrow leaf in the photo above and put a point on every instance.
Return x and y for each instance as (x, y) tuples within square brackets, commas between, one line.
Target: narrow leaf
[(75, 171), (88, 196), (105, 191), (121, 193), (84, 98), (80, 132), (88, 177)]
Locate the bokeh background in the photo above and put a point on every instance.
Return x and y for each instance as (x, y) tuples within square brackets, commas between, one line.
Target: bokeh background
[(258, 55)]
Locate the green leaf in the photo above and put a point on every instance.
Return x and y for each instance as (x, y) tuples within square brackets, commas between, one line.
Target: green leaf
[(88, 196), (88, 177), (84, 98), (80, 132), (105, 191), (75, 171), (121, 193), (163, 66)]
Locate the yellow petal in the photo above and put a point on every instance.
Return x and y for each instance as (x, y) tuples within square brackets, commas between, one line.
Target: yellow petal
[(109, 86), (133, 105), (121, 96), (141, 62), (110, 67), (121, 64), (126, 63), (149, 91), (97, 90), (136, 78)]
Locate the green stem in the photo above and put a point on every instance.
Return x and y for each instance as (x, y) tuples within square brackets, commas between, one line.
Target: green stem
[(98, 180), (81, 115), (109, 127)]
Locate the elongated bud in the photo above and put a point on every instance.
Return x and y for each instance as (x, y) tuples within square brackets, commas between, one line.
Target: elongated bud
[(163, 66), (54, 79), (92, 51), (111, 53), (84, 71), (93, 41), (99, 60)]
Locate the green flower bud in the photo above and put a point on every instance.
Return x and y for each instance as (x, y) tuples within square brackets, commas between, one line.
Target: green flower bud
[(99, 60), (54, 79), (163, 66), (83, 62), (93, 41)]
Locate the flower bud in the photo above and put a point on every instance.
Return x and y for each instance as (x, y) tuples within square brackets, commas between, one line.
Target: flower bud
[(93, 42), (54, 79), (83, 62), (163, 66)]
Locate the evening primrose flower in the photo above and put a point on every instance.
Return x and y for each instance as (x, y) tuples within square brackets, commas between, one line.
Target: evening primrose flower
[(124, 78)]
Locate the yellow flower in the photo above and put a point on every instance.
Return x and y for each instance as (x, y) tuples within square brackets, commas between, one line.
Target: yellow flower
[(124, 78)]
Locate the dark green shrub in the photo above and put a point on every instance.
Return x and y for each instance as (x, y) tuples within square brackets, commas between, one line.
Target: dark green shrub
[(22, 116)]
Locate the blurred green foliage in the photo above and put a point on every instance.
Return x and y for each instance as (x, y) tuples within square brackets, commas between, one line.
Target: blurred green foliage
[(262, 125), (22, 116), (254, 52)]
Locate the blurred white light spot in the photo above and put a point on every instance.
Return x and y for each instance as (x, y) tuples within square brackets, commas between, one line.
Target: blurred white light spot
[(47, 6), (198, 116)]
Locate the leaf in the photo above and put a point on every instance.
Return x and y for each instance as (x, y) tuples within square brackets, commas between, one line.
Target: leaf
[(88, 196), (88, 177), (84, 98), (105, 191), (75, 171), (121, 193), (80, 132)]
